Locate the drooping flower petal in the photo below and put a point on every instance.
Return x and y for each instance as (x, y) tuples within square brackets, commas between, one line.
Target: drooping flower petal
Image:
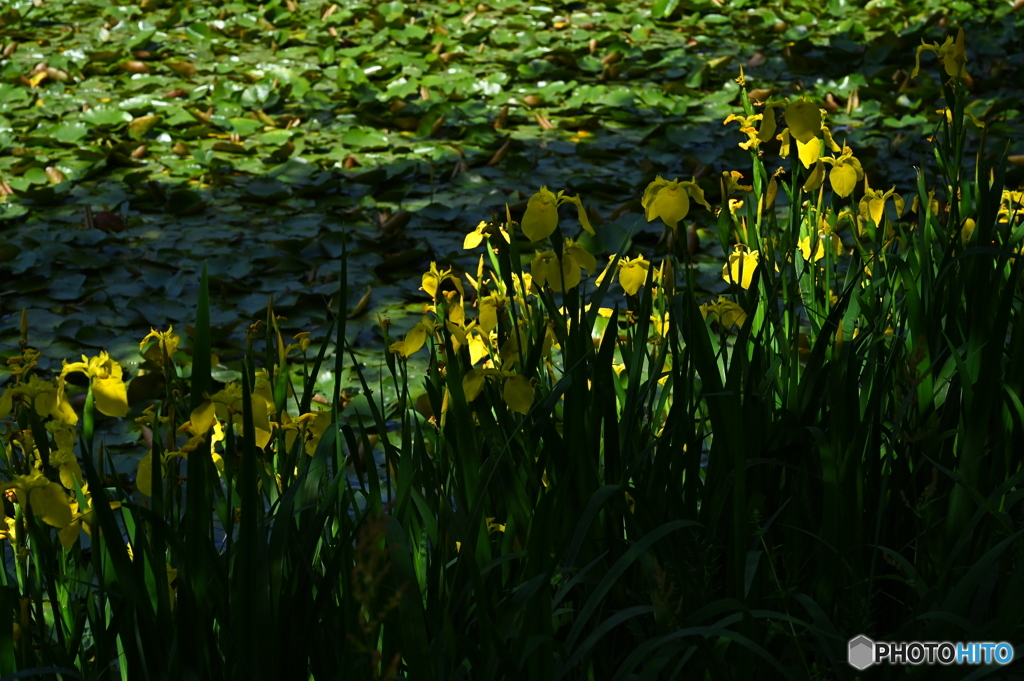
[(518, 394), (809, 151), (633, 274), (843, 177), (670, 203), (804, 119), (50, 502), (816, 177), (541, 216), (740, 268)]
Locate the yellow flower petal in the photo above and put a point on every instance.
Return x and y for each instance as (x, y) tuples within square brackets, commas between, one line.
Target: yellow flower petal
[(518, 394), (144, 475), (670, 203), (202, 417), (843, 177), (809, 151), (633, 274), (740, 268), (473, 383), (50, 503), (804, 119), (69, 535), (541, 216), (816, 177), (414, 340)]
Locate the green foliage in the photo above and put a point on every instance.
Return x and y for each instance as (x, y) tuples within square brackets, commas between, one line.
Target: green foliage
[(562, 490), (206, 130)]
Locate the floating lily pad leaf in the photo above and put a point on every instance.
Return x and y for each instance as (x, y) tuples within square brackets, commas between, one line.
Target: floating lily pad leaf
[(274, 137), (8, 252), (663, 8), (106, 116), (245, 126), (104, 56), (137, 104), (232, 148), (365, 138), (13, 97), (68, 328), (96, 336), (260, 95), (69, 132), (293, 171), (67, 286), (319, 185), (109, 199), (372, 177), (223, 374), (267, 189), (198, 32), (184, 202), (36, 175)]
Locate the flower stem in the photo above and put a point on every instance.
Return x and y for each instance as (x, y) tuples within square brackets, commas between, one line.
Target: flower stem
[(88, 417)]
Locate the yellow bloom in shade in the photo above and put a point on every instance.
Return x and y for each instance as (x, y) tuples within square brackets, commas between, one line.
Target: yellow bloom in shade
[(108, 389), (510, 350), (545, 271), (1011, 206), (167, 342), (581, 214), (580, 255), (80, 520), (952, 54), (10, 530), (574, 257), (829, 142), (517, 391), (768, 124), (755, 136), (846, 172), (872, 205), (414, 340), (741, 266), (803, 118), (668, 200), (819, 251), (63, 457), (518, 394), (725, 312), (541, 216), (473, 382), (313, 425), (967, 231), (432, 280), (816, 177), (633, 274), (487, 309), (731, 180), (809, 151), (748, 129), (46, 499), (42, 396), (784, 137), (482, 230)]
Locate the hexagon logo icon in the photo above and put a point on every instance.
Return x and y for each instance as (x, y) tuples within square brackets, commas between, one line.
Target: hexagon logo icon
[(861, 653)]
